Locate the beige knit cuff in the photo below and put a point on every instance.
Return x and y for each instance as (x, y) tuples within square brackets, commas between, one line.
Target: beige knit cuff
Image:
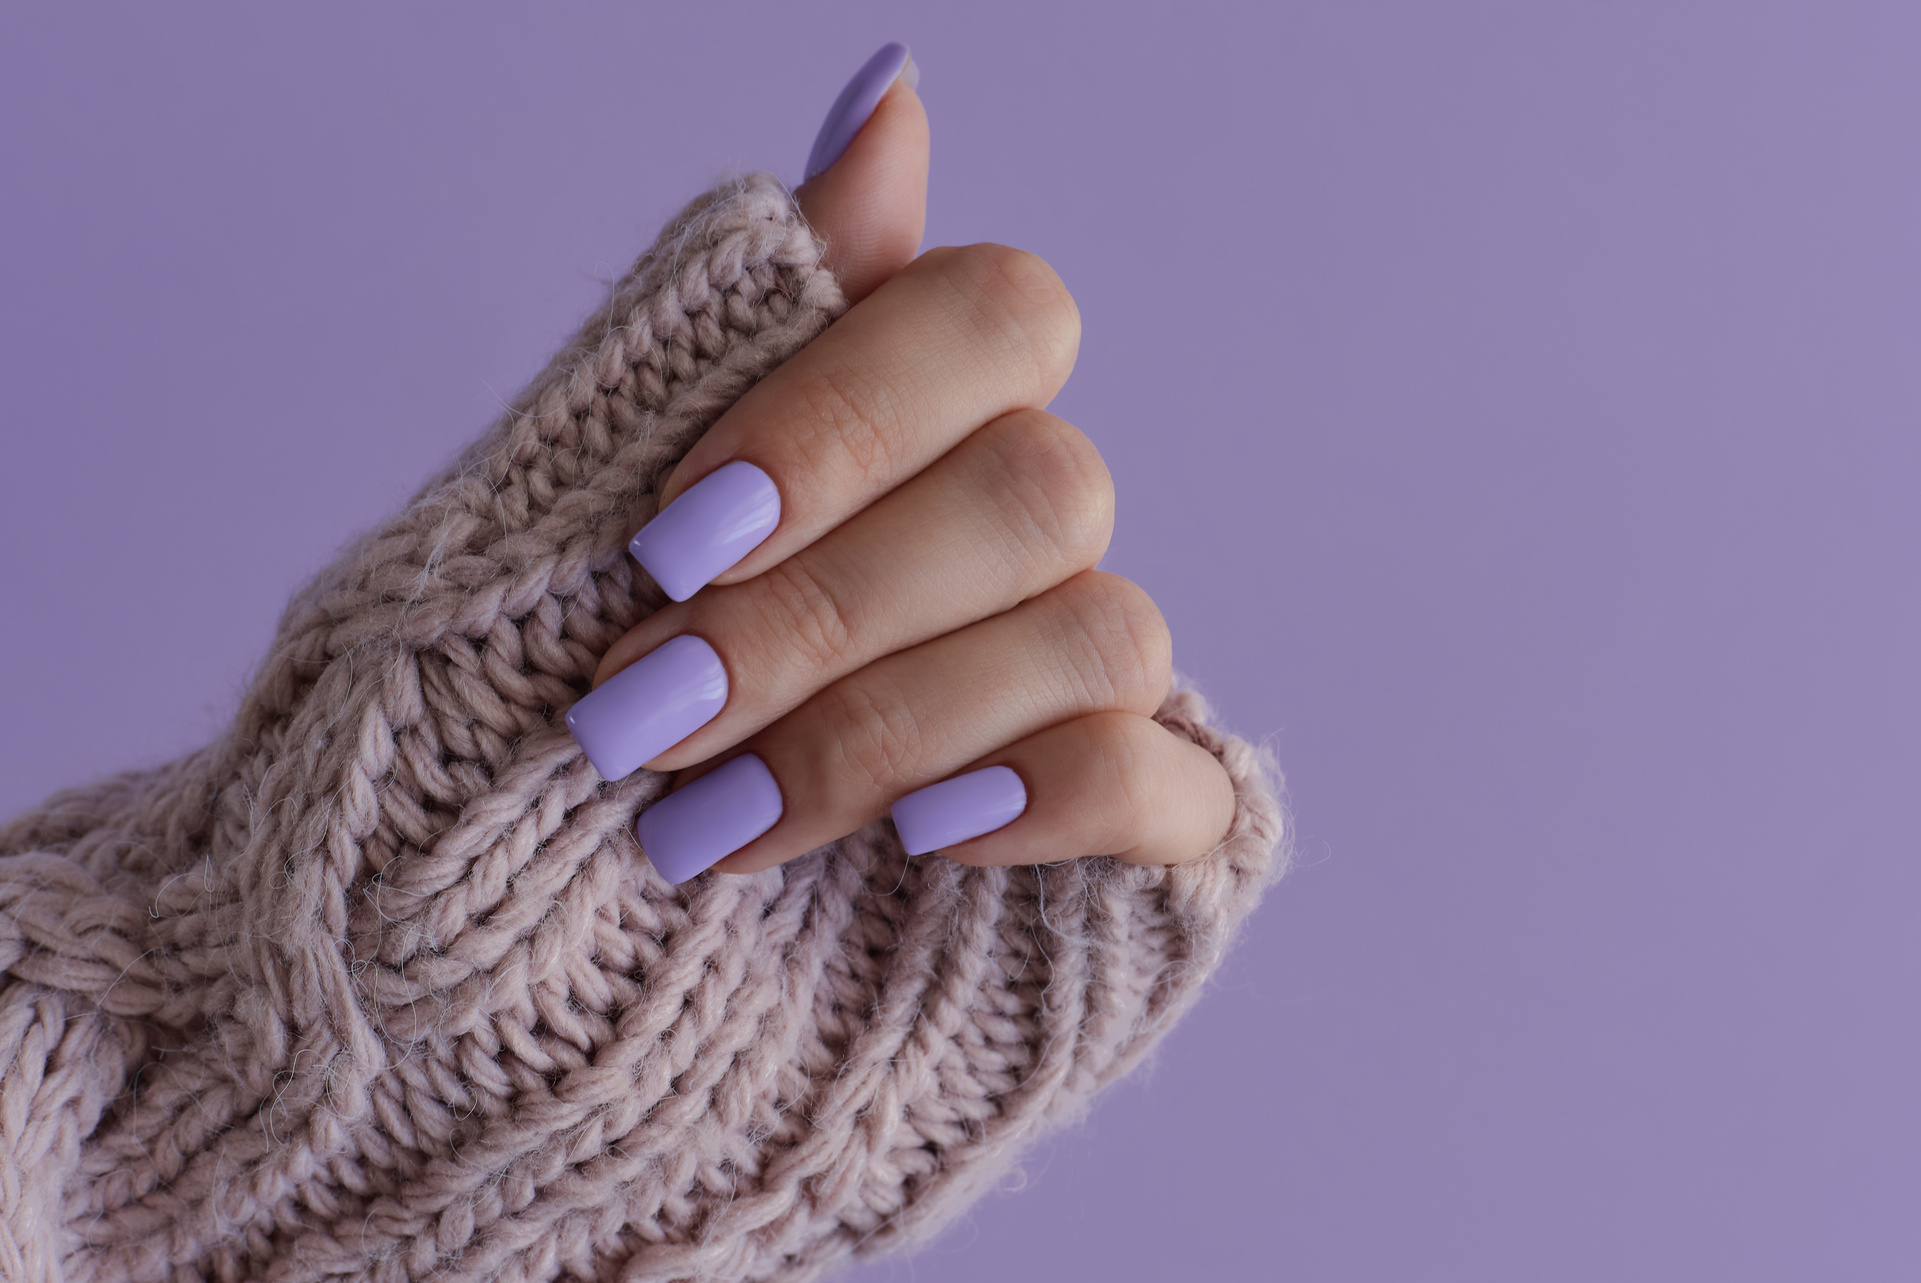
[(378, 985)]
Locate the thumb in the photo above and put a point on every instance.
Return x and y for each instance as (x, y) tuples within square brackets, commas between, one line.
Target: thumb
[(866, 187)]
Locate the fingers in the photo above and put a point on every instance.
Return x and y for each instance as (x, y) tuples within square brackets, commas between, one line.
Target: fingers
[(1094, 643), (1016, 508), (868, 199), (882, 563), (958, 338), (1110, 783)]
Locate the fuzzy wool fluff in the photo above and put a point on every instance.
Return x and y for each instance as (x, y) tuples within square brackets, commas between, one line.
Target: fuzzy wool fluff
[(379, 985)]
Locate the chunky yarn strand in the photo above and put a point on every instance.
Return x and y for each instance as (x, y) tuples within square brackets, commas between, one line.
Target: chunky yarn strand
[(379, 986)]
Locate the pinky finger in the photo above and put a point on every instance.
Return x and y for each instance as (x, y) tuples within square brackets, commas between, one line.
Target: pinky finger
[(1107, 784)]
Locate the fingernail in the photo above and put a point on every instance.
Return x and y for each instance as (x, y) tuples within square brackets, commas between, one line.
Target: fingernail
[(857, 102), (710, 527), (956, 809), (649, 706), (693, 828)]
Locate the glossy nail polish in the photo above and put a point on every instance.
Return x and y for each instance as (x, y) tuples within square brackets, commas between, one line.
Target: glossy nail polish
[(695, 826), (956, 809), (857, 102), (649, 706), (708, 528)]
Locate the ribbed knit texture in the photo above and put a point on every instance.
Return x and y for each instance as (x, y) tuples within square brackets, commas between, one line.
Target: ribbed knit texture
[(379, 985)]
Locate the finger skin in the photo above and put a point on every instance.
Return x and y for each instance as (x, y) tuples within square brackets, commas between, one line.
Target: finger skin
[(1113, 783), (1015, 509), (1093, 643), (955, 340), (870, 206)]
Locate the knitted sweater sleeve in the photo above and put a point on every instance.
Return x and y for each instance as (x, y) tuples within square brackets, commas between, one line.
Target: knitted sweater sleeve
[(378, 984)]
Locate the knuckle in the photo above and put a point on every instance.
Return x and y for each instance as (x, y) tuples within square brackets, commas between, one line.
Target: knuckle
[(1053, 484), (1023, 274), (795, 615), (1127, 652), (874, 738), (1022, 294)]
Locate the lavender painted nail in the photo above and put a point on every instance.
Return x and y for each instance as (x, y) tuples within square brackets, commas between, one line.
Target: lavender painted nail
[(690, 829), (649, 706), (856, 103), (956, 809), (709, 527)]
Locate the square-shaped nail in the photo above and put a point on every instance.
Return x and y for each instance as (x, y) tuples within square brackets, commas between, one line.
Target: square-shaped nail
[(649, 706), (708, 528), (691, 829), (956, 809)]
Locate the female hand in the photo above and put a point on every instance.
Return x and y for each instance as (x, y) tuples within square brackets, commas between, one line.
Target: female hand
[(882, 559)]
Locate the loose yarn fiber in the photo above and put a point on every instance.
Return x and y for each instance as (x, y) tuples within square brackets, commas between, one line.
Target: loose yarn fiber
[(379, 985)]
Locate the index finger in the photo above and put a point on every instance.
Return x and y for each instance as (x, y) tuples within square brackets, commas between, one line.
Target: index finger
[(956, 339)]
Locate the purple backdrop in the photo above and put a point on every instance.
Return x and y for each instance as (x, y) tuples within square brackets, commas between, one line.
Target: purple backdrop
[(1514, 408)]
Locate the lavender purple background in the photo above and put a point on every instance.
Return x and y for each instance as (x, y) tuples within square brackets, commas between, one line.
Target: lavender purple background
[(1515, 407)]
